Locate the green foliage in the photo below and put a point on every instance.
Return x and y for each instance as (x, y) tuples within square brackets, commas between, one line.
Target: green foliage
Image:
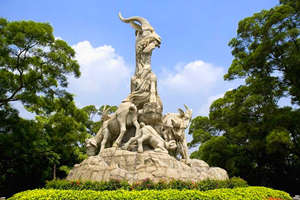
[(87, 185), (26, 157), (146, 184), (247, 132), (260, 141), (34, 67), (33, 64), (66, 130), (237, 182), (248, 193), (30, 149), (268, 45), (65, 169), (201, 130), (278, 141)]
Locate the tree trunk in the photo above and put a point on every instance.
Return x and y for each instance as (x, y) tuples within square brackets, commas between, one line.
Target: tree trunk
[(54, 171)]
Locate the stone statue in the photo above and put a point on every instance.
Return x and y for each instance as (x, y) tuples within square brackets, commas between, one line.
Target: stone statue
[(115, 126), (149, 135), (143, 105), (137, 141), (144, 81), (175, 125), (93, 143)]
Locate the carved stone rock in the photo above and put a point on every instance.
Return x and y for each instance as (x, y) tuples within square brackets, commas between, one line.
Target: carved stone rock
[(118, 164)]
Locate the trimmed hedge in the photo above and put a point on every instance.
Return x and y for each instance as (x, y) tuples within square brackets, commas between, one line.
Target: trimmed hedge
[(146, 184), (247, 193)]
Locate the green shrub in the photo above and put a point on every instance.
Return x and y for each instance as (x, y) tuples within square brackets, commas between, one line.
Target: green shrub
[(146, 184), (247, 193), (180, 185), (237, 182), (87, 185), (161, 185), (211, 184)]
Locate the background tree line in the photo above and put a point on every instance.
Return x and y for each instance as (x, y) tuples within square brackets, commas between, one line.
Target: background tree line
[(34, 67), (247, 132)]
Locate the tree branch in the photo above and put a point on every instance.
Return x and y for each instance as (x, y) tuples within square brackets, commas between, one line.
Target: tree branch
[(11, 98)]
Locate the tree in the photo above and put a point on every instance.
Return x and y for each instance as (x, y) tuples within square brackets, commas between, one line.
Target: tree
[(267, 48), (247, 131), (33, 151), (66, 130), (33, 64), (26, 157), (67, 127), (34, 67), (202, 130)]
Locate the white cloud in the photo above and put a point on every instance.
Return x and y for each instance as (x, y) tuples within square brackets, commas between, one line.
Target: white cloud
[(58, 38), (194, 77), (104, 76), (194, 84), (105, 79), (22, 110)]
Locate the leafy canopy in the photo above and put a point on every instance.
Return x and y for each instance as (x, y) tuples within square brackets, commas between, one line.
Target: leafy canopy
[(247, 132), (34, 67), (33, 64), (267, 48)]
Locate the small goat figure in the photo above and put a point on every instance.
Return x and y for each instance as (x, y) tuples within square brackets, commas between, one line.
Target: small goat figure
[(113, 125)]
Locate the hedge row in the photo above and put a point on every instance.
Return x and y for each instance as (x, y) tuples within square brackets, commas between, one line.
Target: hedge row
[(146, 184), (247, 193)]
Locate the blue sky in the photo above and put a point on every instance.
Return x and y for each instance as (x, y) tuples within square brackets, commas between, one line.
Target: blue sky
[(190, 64)]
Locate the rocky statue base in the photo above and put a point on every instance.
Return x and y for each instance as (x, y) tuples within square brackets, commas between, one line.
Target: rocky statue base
[(133, 167)]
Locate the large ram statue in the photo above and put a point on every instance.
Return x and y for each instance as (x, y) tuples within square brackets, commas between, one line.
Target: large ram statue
[(144, 82)]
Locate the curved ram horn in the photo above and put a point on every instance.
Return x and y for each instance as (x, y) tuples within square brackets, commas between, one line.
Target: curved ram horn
[(104, 108), (181, 112), (136, 26), (105, 113), (144, 23), (186, 107)]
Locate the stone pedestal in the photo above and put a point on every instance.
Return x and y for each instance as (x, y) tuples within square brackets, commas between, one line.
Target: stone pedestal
[(119, 164)]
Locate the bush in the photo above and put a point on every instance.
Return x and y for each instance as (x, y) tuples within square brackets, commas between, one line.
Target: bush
[(146, 184), (248, 193), (87, 185), (237, 182)]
